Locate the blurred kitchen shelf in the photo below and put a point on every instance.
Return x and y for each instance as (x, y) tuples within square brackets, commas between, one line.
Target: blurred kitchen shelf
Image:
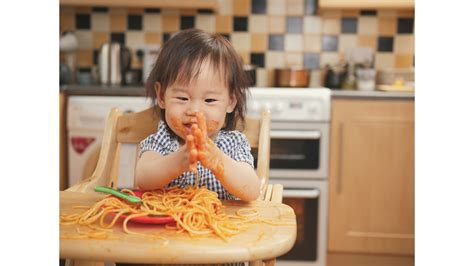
[(367, 4), (201, 4)]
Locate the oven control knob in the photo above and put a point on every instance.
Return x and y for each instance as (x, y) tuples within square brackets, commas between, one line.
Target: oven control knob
[(313, 108), (278, 107)]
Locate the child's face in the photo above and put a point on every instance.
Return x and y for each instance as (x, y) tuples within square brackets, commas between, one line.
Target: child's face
[(207, 93)]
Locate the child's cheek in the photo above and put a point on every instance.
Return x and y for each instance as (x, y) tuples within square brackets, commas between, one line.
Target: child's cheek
[(178, 126), (212, 125)]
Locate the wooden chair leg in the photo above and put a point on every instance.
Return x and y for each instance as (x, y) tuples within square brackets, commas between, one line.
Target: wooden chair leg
[(269, 262)]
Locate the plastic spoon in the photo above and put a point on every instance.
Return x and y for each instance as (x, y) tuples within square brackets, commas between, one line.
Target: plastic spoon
[(127, 197)]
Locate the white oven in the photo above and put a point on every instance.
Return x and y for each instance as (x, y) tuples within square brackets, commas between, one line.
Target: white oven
[(300, 120)]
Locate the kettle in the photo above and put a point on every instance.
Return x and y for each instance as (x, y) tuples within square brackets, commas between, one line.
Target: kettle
[(114, 60)]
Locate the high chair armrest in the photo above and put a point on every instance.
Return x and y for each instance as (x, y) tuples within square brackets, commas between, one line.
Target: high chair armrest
[(105, 174), (263, 161)]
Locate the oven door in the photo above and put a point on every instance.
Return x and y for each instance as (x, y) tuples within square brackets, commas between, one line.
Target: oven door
[(298, 153), (305, 203)]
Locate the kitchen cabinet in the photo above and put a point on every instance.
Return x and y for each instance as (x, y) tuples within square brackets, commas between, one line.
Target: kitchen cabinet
[(366, 4), (371, 176), (62, 141), (201, 4)]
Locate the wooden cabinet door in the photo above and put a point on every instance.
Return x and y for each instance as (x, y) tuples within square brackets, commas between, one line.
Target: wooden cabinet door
[(371, 179), (404, 4)]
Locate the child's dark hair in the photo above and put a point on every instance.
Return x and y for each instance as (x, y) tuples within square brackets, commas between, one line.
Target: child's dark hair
[(180, 60)]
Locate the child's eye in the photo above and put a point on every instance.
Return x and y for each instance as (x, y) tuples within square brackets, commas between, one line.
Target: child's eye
[(210, 100), (182, 98)]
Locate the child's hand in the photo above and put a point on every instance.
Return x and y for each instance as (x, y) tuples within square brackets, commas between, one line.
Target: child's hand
[(207, 152), (192, 153)]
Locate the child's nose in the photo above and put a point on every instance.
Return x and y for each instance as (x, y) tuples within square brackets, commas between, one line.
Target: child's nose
[(192, 109)]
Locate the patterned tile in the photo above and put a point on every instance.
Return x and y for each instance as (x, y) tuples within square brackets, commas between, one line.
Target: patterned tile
[(259, 6), (83, 21), (277, 24), (259, 42), (153, 38), (387, 26), (347, 41), (295, 7), (170, 22), (330, 43), (99, 38), (241, 41), (206, 22), (100, 9), (152, 10), (349, 25), (311, 24), (223, 24), (294, 59), (274, 59), (384, 60), (368, 12), (241, 7), (257, 59), (311, 60), (240, 23), (367, 41), (276, 7), (405, 25), (134, 22), (311, 42), (258, 24), (367, 26), (152, 22), (404, 44), (117, 37), (118, 22), (84, 39), (331, 26), (268, 33), (187, 22), (404, 60), (329, 59), (100, 22), (294, 42), (294, 24), (385, 44), (276, 42)]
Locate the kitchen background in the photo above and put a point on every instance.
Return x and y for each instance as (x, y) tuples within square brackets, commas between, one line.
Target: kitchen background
[(268, 34)]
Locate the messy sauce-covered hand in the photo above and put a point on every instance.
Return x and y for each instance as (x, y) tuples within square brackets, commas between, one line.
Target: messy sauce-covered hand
[(207, 152)]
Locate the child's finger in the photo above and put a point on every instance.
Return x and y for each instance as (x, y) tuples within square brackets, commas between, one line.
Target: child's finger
[(201, 120), (191, 147), (197, 133), (193, 155)]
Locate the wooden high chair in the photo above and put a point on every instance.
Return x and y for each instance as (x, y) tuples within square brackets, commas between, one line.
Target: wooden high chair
[(132, 128)]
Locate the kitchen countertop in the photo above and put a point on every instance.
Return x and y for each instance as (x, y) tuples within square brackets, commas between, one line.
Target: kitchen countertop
[(139, 90)]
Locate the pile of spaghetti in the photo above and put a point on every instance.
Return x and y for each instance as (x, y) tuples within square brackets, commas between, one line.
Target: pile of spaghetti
[(197, 211)]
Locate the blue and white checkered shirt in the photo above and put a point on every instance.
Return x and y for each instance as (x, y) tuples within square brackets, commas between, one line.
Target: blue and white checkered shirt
[(232, 143)]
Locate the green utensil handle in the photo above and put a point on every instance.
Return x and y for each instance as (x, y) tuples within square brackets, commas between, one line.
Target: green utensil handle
[(117, 193)]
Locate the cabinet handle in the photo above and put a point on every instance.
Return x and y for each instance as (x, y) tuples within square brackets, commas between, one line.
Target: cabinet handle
[(339, 170)]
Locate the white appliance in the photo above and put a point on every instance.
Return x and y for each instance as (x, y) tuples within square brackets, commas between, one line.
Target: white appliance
[(299, 132), (86, 116)]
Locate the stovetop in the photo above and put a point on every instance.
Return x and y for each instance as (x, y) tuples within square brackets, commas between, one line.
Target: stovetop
[(291, 104)]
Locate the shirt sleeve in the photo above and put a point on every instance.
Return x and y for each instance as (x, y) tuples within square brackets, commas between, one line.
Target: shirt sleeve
[(240, 148), (157, 142)]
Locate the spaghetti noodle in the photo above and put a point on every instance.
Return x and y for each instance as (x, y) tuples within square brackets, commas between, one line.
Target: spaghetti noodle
[(197, 211)]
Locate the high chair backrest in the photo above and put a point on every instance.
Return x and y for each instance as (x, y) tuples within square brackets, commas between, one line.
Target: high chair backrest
[(131, 128)]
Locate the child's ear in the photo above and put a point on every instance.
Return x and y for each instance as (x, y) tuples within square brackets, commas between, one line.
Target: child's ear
[(232, 104), (159, 97)]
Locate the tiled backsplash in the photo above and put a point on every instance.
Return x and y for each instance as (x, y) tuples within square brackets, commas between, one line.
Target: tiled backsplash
[(269, 34)]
